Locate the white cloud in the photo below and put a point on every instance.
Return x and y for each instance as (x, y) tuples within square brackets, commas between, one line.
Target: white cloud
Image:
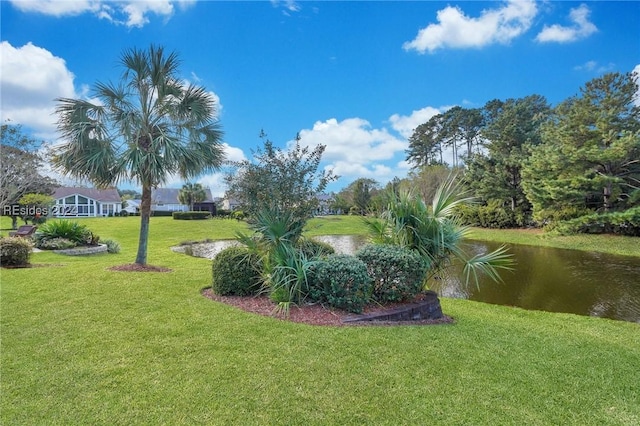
[(354, 149), (593, 66), (636, 72), (215, 182), (30, 79), (287, 5), (456, 30), (352, 140), (405, 125), (581, 28), (232, 153), (132, 13)]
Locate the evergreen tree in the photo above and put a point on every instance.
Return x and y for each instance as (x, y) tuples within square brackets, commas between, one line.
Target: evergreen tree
[(590, 155), (512, 129)]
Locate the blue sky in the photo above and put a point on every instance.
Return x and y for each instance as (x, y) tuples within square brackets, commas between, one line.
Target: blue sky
[(357, 76)]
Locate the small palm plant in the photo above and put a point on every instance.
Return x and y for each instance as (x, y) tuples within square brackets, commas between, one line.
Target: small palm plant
[(284, 268), (434, 232)]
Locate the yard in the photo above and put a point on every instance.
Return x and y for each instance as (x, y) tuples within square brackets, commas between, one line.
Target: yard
[(85, 345)]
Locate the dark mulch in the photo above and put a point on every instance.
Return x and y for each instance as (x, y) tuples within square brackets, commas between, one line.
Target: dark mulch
[(314, 314), (134, 267)]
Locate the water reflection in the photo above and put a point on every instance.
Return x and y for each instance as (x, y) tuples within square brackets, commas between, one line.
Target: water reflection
[(557, 280), (547, 279)]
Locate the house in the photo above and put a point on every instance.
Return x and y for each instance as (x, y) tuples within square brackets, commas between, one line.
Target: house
[(231, 204), (85, 202), (166, 200), (132, 206), (324, 204)]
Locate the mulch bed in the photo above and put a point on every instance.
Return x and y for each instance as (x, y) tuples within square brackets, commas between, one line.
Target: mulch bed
[(134, 267), (315, 314)]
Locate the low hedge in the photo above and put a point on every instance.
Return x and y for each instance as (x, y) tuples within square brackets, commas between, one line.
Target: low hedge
[(15, 251), (191, 215), (235, 272), (398, 273), (341, 281), (620, 223)]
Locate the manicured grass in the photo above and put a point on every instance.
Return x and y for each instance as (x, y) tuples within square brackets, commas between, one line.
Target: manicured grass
[(85, 345), (612, 244)]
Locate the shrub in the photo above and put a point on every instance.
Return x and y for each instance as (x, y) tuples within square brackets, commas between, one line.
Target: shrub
[(238, 215), (72, 231), (494, 215), (622, 223), (161, 213), (124, 213), (15, 251), (191, 215), (57, 243), (235, 272), (313, 249), (398, 273), (112, 246), (67, 230), (341, 281)]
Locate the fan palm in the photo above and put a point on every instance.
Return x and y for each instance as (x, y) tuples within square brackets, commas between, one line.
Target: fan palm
[(192, 193), (434, 232), (149, 126)]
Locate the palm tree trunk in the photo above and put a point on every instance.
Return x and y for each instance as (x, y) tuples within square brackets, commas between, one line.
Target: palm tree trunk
[(145, 213)]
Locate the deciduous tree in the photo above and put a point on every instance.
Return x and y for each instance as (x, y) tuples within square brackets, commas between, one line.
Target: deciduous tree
[(20, 163), (279, 180)]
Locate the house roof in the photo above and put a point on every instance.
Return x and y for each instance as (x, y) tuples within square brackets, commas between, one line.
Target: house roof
[(170, 196), (103, 195)]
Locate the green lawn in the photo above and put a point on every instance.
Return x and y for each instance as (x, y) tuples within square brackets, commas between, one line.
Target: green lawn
[(84, 345)]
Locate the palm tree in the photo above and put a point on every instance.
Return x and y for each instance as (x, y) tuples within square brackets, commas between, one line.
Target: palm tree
[(192, 193), (435, 233), (147, 127)]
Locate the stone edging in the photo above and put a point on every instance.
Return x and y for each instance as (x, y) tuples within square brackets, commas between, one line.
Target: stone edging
[(81, 251), (426, 309)]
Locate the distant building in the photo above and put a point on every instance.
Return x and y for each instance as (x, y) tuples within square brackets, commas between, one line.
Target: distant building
[(166, 199), (230, 204), (132, 206), (324, 205), (91, 202), (85, 202)]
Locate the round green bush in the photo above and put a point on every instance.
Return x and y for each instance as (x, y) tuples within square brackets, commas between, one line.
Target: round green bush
[(235, 272), (313, 248), (15, 251), (398, 273), (341, 281)]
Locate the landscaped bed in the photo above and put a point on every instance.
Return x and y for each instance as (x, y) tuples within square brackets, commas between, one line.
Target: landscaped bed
[(317, 314)]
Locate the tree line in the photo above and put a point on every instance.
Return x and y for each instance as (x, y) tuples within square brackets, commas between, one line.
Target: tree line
[(528, 162)]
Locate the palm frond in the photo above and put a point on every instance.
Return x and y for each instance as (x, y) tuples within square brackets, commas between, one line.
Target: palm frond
[(488, 264)]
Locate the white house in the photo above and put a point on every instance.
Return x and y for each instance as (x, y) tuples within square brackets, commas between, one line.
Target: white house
[(85, 202), (166, 199), (132, 206), (230, 204)]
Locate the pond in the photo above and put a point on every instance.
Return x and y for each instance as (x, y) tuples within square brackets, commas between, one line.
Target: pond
[(548, 279), (557, 280)]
